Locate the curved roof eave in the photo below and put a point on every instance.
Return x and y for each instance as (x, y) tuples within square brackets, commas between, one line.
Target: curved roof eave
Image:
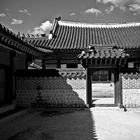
[(16, 42), (74, 35)]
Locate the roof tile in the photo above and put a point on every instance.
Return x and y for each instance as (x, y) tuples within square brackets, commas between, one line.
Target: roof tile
[(79, 36), (17, 43), (103, 53)]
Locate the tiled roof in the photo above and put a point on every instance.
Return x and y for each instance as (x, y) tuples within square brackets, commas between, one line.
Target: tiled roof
[(70, 35), (70, 74), (73, 74), (102, 53), (17, 43), (131, 75)]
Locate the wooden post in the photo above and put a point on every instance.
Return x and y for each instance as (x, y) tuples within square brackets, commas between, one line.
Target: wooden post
[(118, 88), (120, 85), (88, 88)]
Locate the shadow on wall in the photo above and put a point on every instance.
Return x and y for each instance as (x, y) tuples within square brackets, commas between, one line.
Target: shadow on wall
[(58, 93), (65, 125), (46, 89)]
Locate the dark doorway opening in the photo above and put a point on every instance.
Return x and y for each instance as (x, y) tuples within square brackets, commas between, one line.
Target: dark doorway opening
[(6, 86)]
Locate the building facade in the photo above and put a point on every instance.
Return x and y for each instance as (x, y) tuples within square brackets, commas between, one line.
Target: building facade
[(15, 54), (103, 51), (70, 62)]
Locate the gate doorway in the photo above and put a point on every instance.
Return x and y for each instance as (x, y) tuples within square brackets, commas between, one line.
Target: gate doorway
[(103, 89), (103, 65)]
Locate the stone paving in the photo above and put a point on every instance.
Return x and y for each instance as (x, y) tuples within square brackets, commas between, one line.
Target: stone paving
[(93, 124), (116, 125)]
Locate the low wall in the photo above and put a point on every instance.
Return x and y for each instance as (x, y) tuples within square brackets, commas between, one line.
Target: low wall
[(131, 90), (60, 91)]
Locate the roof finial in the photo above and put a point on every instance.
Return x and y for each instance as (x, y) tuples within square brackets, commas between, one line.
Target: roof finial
[(23, 36), (18, 34), (58, 18), (55, 23)]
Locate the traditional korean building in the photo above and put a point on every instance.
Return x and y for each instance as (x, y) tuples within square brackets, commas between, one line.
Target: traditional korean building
[(88, 62), (15, 54), (102, 51)]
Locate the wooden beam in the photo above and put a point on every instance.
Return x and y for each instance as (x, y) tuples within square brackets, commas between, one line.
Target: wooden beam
[(103, 66)]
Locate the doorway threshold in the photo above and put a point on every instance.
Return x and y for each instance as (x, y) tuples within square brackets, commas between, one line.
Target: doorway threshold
[(104, 105), (103, 102)]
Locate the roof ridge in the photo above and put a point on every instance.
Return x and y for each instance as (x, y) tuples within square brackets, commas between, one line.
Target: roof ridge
[(99, 25)]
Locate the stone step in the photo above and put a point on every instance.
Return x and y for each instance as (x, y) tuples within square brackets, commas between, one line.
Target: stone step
[(103, 101)]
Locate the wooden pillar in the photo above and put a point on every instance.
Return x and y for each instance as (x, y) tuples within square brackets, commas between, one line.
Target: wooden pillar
[(118, 88), (120, 103), (43, 64), (88, 88)]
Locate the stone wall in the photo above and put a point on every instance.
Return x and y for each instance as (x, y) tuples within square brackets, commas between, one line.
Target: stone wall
[(51, 91), (131, 90)]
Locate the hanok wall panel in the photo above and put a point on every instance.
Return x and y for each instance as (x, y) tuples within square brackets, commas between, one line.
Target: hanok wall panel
[(54, 92), (131, 90)]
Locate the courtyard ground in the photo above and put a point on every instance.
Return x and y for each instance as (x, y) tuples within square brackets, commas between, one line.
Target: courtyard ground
[(89, 124)]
